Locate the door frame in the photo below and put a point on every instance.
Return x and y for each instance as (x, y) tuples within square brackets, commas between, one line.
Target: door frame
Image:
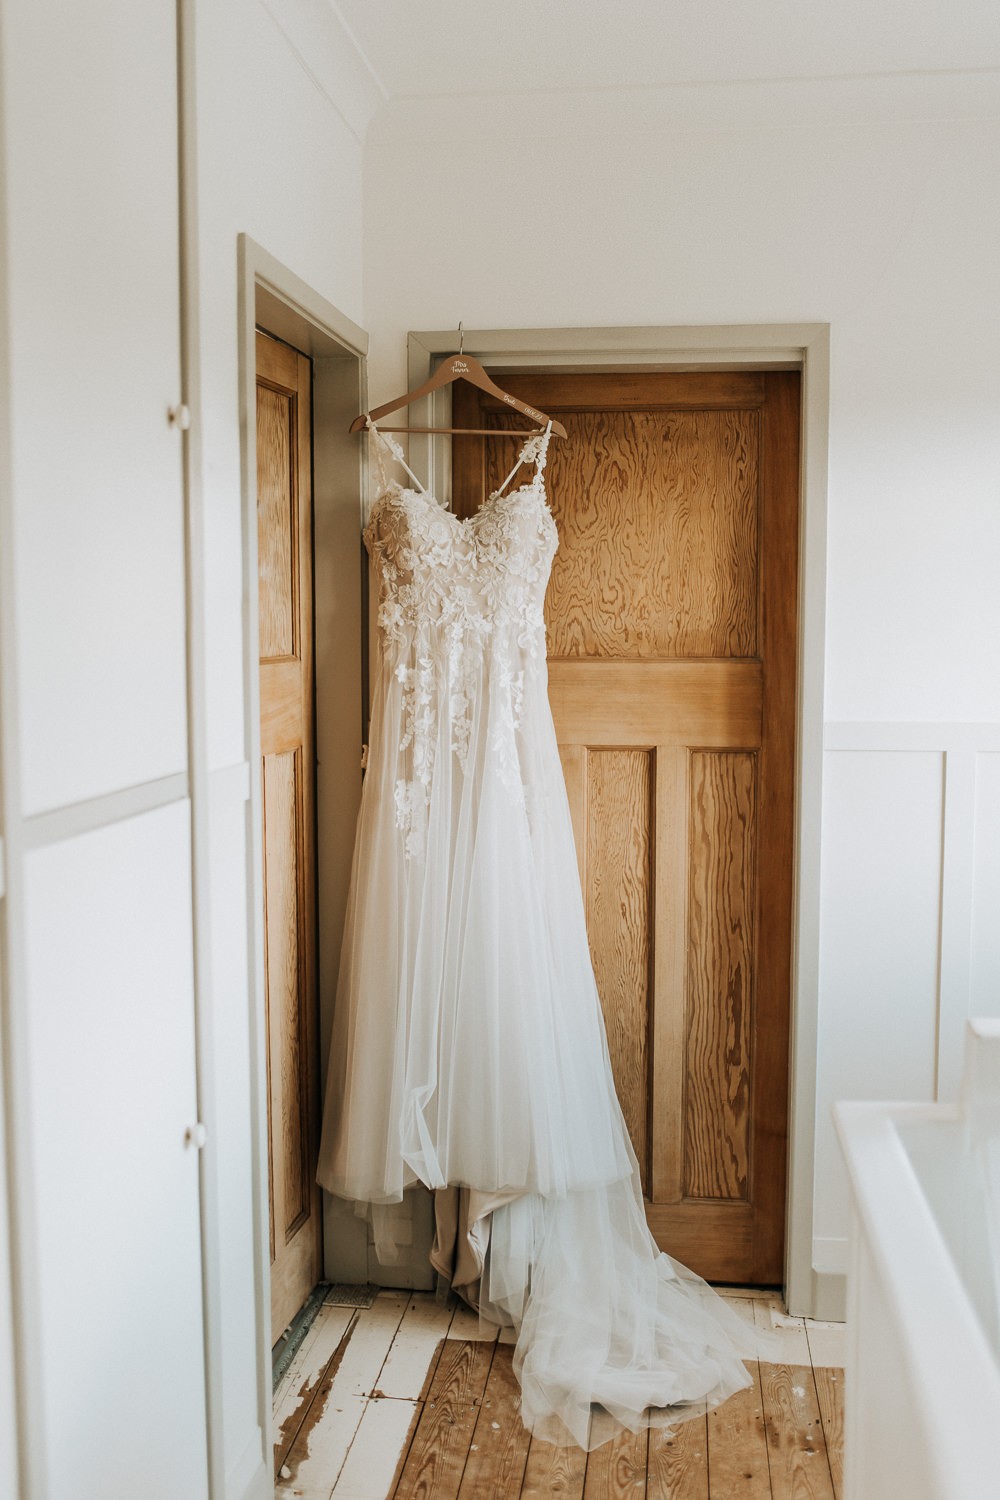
[(273, 298), (773, 346)]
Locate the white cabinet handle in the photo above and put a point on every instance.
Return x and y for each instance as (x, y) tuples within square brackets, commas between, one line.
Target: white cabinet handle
[(196, 1136), (179, 416)]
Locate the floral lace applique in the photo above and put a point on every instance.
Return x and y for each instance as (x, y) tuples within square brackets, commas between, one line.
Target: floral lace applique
[(460, 607)]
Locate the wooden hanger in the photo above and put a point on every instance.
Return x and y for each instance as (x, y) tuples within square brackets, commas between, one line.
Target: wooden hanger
[(460, 366)]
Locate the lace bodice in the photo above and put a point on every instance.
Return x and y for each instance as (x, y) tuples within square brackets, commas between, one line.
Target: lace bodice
[(460, 602), (481, 575)]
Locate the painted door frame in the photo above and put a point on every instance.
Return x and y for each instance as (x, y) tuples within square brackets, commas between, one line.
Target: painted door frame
[(274, 298), (781, 346)]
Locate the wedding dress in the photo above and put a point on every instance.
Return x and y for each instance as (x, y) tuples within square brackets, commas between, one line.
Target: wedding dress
[(469, 1049)]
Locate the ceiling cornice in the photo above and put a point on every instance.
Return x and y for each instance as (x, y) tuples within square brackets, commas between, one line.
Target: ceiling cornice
[(618, 112)]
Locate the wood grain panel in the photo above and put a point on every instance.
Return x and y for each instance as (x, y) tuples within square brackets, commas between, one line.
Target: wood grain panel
[(721, 887), (712, 1234), (574, 767), (657, 519), (284, 469), (282, 706), (656, 703), (670, 906), (619, 909), (276, 522), (621, 390), (282, 838)]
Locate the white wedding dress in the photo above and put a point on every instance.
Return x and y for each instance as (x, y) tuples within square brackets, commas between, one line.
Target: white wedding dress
[(469, 1048)]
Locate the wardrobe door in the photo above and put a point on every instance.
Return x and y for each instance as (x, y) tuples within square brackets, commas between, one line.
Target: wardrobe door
[(284, 558), (99, 907), (671, 619)]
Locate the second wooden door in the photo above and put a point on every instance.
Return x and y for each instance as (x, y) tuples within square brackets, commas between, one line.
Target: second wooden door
[(284, 551), (671, 635)]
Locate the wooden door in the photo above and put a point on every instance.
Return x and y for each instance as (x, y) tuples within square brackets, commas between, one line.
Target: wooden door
[(284, 553), (671, 619)]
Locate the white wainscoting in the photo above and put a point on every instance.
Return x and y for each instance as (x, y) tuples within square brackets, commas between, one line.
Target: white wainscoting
[(229, 790), (909, 945), (984, 975)]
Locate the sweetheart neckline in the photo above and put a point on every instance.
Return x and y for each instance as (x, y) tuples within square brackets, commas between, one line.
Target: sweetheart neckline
[(461, 521)]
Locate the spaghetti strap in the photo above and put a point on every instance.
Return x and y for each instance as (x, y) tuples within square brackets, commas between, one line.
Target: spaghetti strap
[(385, 443), (536, 448)]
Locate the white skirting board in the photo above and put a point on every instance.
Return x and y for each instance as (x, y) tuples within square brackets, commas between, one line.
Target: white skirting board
[(829, 1299)]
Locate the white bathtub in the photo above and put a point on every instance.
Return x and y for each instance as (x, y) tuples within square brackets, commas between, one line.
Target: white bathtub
[(922, 1417)]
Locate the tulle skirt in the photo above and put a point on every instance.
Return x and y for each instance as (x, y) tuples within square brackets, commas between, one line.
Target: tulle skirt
[(469, 1050)]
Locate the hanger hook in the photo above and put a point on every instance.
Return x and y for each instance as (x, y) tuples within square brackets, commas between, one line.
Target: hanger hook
[(461, 337)]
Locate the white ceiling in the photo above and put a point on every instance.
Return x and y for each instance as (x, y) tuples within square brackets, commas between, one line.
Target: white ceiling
[(470, 47)]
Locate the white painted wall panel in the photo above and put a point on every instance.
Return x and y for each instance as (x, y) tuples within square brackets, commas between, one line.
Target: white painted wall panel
[(881, 892), (228, 832), (985, 968), (109, 981), (91, 129)]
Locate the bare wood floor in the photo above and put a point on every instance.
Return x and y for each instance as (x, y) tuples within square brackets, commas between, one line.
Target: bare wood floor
[(404, 1400)]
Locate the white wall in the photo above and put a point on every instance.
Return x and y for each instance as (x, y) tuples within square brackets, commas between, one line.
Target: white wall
[(867, 206)]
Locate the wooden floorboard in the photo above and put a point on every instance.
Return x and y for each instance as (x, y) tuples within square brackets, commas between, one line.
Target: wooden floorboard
[(554, 1471), (796, 1445), (677, 1463), (380, 1448), (410, 1399), (616, 1468), (435, 1464), (308, 1380), (830, 1392), (737, 1446), (499, 1450), (415, 1349)]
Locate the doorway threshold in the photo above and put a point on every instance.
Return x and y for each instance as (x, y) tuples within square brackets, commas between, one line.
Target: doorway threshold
[(341, 1294)]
